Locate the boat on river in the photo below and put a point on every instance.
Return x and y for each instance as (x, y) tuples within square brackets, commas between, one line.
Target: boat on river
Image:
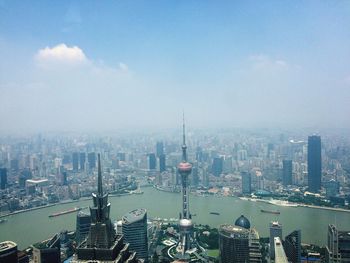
[(66, 212), (270, 211)]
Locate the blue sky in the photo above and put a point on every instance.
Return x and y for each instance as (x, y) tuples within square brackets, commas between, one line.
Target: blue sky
[(116, 64)]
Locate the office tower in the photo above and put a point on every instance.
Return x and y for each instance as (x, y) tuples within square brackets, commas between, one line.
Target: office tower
[(48, 251), (92, 160), (314, 167), (75, 161), (185, 224), (82, 226), (102, 242), (162, 163), (275, 231), (8, 252), (195, 176), (14, 165), (152, 161), (218, 163), (159, 149), (121, 156), (3, 178), (82, 159), (292, 246), (233, 244), (332, 188), (280, 255), (246, 183), (338, 245), (134, 227), (287, 178)]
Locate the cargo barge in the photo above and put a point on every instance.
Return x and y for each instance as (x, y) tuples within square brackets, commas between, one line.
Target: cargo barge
[(270, 212), (66, 212)]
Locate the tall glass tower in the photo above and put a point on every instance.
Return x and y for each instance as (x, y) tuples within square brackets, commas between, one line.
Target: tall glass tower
[(314, 163)]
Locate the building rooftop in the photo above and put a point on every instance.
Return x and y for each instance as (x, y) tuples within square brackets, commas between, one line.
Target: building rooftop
[(134, 215), (233, 231), (5, 245)]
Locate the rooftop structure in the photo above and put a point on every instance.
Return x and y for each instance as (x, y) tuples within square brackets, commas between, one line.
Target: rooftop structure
[(242, 221)]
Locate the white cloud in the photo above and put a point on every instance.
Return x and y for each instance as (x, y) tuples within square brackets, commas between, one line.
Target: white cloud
[(262, 61), (62, 54)]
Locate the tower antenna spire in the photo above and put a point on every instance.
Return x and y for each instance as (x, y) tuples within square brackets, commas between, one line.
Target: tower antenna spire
[(99, 180), (184, 147)]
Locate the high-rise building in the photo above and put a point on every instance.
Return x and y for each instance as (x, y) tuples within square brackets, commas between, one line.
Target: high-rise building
[(162, 163), (275, 231), (233, 244), (3, 178), (102, 244), (8, 252), (92, 160), (332, 188), (218, 164), (338, 245), (195, 176), (314, 163), (280, 255), (82, 227), (246, 183), (48, 251), (134, 227), (75, 161), (152, 161), (159, 149), (287, 178), (292, 246), (82, 160)]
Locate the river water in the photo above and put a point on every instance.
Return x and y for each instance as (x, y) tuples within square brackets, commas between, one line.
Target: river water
[(33, 226)]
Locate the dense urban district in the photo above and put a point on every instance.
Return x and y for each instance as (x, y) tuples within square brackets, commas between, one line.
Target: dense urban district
[(282, 168)]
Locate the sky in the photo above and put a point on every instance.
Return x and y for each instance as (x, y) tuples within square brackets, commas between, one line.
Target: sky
[(111, 65)]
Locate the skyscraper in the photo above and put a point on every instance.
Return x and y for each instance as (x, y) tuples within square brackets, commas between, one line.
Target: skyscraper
[(102, 243), (218, 163), (92, 160), (134, 227), (159, 149), (292, 246), (48, 251), (3, 178), (75, 161), (280, 255), (287, 172), (246, 183), (152, 161), (233, 244), (162, 163), (82, 158), (82, 227), (314, 165), (338, 245), (275, 231)]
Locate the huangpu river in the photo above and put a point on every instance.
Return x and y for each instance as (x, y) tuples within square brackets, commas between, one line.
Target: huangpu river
[(33, 226)]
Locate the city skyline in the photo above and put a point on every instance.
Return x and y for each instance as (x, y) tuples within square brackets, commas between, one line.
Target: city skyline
[(64, 67)]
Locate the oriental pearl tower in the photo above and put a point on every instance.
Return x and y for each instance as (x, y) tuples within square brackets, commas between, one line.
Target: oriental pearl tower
[(185, 224)]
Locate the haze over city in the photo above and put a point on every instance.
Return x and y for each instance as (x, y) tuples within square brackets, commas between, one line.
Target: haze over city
[(98, 66)]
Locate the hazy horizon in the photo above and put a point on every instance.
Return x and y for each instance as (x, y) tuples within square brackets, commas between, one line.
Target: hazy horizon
[(92, 66)]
